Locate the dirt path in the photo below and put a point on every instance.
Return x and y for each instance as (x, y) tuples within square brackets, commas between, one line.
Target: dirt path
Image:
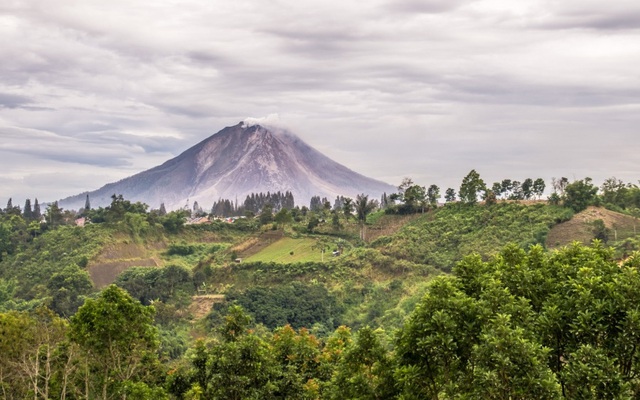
[(201, 305)]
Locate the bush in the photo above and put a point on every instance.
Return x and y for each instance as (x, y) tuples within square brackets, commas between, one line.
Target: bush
[(180, 249)]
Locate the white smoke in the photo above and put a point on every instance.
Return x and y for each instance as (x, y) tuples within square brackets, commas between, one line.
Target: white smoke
[(271, 120)]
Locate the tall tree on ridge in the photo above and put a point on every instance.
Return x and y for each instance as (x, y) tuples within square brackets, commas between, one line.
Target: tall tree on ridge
[(27, 213), (364, 207)]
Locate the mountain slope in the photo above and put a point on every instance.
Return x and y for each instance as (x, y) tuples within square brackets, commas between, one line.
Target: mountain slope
[(234, 162)]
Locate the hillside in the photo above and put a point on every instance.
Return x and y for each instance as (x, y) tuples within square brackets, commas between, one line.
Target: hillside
[(470, 270), (581, 227), (443, 236)]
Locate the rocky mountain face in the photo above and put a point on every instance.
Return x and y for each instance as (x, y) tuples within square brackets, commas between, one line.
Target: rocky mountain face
[(237, 161)]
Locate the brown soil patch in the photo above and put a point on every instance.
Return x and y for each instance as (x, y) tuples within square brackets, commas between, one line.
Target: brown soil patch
[(201, 305), (388, 225), (580, 227), (118, 257), (105, 273)]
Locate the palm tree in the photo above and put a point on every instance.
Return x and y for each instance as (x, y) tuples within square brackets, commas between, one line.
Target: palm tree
[(363, 207)]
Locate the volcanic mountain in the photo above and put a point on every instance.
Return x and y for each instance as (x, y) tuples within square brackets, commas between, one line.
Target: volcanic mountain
[(237, 161)]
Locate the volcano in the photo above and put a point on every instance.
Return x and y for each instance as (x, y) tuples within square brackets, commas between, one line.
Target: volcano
[(237, 161)]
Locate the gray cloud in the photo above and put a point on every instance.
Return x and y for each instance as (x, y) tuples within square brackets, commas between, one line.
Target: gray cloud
[(428, 89), (425, 6), (13, 101)]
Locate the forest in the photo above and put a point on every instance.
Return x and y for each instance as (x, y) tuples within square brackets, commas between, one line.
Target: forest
[(495, 293)]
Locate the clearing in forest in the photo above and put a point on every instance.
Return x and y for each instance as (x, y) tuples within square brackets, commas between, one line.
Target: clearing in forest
[(288, 250)]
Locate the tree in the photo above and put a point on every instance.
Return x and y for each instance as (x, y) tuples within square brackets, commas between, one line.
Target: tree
[(527, 188), (559, 185), (508, 365), (364, 207), (435, 345), (68, 289), (53, 215), (414, 198), (516, 191), (365, 371), (580, 194), (496, 188), (174, 221), (37, 215), (450, 195), (117, 334), (489, 197), (297, 356), (506, 186), (347, 207), (87, 204), (404, 185), (266, 214), (27, 213), (538, 187), (283, 218), (433, 194), (472, 185)]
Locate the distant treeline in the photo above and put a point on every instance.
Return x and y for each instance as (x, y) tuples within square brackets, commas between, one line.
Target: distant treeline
[(254, 203)]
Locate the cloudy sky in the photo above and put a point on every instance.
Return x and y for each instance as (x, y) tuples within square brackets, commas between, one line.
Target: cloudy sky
[(92, 91)]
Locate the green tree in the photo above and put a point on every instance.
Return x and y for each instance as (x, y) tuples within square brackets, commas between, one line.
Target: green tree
[(509, 365), (283, 218), (174, 221), (347, 207), (297, 354), (365, 370), (266, 214), (364, 207), (580, 194), (241, 366), (117, 334), (527, 188), (37, 215), (53, 215), (415, 198), (472, 185), (433, 194), (68, 290), (450, 195), (591, 373), (27, 213), (434, 347), (538, 187)]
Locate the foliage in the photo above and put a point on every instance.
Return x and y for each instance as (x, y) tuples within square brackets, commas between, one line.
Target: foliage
[(580, 194), (526, 325), (118, 335), (147, 284), (472, 185), (443, 236), (50, 253), (68, 290), (296, 304)]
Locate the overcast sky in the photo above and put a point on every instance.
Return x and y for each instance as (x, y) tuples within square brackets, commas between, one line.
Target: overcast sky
[(92, 91)]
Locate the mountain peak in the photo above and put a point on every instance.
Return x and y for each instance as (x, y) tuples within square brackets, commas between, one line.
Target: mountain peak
[(256, 155)]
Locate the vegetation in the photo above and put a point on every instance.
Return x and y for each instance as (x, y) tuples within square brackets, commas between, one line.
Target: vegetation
[(445, 235), (420, 299)]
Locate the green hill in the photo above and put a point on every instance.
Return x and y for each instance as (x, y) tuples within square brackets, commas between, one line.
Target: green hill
[(443, 236)]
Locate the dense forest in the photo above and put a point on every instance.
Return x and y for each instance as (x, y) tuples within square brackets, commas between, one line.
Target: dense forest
[(493, 294)]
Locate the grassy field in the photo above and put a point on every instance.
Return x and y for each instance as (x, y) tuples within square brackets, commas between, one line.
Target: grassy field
[(280, 251)]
